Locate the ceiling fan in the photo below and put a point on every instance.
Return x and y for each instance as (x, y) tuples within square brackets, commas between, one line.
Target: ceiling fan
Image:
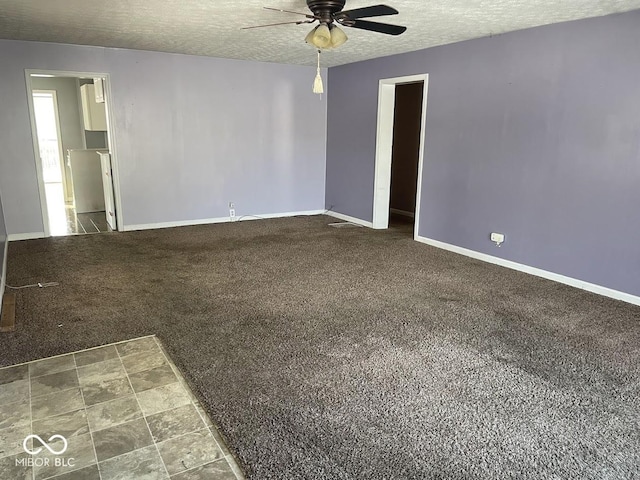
[(329, 13)]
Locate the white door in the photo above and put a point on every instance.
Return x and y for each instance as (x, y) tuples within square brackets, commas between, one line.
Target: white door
[(107, 187)]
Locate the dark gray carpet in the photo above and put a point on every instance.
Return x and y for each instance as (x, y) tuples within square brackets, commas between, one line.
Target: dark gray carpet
[(353, 353)]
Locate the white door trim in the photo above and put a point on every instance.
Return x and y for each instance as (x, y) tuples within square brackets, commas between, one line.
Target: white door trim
[(36, 151), (384, 148), (110, 139)]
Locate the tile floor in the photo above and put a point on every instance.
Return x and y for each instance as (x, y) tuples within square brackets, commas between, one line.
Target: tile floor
[(80, 223), (63, 219), (124, 410)]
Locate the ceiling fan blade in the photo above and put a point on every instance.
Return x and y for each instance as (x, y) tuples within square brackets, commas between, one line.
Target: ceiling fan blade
[(288, 11), (300, 22), (376, 27), (365, 12)]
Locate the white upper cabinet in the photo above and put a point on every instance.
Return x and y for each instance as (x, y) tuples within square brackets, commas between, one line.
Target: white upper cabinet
[(93, 113), (98, 86)]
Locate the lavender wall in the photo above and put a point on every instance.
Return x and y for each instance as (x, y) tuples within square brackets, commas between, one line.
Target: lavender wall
[(192, 133), (535, 134)]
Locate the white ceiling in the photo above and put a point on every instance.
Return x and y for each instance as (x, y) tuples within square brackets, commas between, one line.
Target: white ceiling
[(212, 27)]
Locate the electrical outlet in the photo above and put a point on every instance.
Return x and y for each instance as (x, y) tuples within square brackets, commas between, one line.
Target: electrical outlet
[(497, 238), (232, 214)]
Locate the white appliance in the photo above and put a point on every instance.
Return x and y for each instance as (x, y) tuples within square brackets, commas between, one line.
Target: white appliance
[(86, 180)]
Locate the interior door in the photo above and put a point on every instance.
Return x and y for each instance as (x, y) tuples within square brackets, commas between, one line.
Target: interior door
[(107, 187)]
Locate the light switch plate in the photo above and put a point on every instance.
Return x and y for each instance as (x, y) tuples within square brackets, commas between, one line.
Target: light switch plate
[(498, 238)]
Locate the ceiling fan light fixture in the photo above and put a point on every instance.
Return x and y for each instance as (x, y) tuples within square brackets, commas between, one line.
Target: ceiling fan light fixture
[(321, 36), (338, 37)]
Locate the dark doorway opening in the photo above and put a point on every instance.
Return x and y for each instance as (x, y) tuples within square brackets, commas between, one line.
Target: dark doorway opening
[(405, 155)]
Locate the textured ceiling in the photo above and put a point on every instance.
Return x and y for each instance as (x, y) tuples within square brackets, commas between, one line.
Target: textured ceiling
[(212, 27)]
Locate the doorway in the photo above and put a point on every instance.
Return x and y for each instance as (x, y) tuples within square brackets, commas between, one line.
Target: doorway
[(45, 109), (407, 119), (400, 151), (73, 145)]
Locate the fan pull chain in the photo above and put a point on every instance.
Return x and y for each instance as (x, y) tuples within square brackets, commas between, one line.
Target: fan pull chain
[(317, 84)]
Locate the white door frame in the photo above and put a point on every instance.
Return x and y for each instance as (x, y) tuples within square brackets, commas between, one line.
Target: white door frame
[(384, 148), (110, 139)]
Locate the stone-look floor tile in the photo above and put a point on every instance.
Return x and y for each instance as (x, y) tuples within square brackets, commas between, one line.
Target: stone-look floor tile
[(182, 380), (51, 365), (87, 473), (203, 414), (121, 439), (13, 414), (13, 374), (53, 383), (218, 470), (80, 449), (187, 387), (15, 467), (138, 362), (136, 346), (142, 464), (188, 451), (17, 391), (71, 424), (101, 372), (220, 440), (96, 355), (115, 412), (175, 422), (236, 468), (56, 403), (163, 398), (11, 439), (156, 377), (106, 391)]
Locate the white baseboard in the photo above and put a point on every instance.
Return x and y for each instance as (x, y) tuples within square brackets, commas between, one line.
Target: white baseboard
[(404, 213), (207, 221), (305, 213), (573, 282), (348, 218), (14, 237)]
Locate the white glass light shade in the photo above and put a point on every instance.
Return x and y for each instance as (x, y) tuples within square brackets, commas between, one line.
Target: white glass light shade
[(309, 37), (338, 37), (321, 36)]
